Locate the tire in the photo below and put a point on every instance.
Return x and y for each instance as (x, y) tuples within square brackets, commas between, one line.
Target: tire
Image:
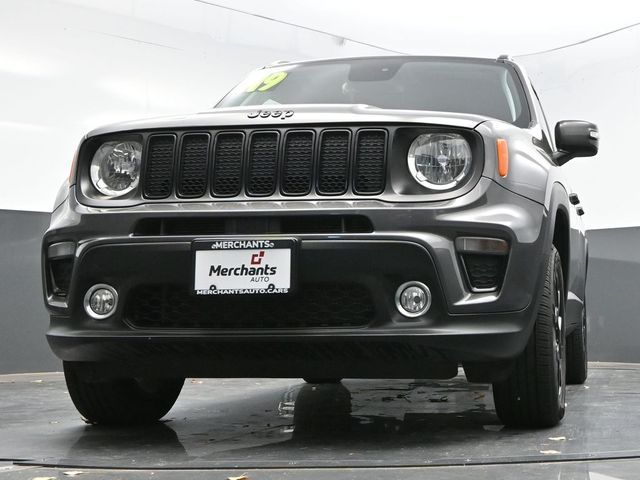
[(534, 394), (577, 367), (121, 401), (322, 380)]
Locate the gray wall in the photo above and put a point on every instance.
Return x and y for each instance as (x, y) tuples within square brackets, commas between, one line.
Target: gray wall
[(612, 295), (23, 318)]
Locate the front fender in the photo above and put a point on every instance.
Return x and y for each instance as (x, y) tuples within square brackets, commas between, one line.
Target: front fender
[(530, 166), (533, 175)]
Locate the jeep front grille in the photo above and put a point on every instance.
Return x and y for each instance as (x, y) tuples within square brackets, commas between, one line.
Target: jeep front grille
[(369, 164), (227, 169), (159, 168), (297, 163), (262, 164), (192, 171), (265, 163), (334, 163)]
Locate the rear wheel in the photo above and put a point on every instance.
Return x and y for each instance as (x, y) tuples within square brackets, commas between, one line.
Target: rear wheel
[(535, 392), (322, 380), (577, 368), (121, 401)]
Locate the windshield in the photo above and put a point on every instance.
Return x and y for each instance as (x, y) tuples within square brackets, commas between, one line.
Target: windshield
[(463, 86)]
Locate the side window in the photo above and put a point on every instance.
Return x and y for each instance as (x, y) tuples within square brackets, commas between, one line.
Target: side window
[(544, 124)]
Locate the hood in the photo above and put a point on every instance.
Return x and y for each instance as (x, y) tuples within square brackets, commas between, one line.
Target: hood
[(302, 115)]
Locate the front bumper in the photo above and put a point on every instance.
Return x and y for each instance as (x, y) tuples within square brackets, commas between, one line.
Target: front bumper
[(408, 242)]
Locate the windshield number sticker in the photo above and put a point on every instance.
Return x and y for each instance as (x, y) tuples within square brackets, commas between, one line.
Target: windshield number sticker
[(267, 83)]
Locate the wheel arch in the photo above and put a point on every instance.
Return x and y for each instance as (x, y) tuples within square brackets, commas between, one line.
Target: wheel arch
[(560, 228)]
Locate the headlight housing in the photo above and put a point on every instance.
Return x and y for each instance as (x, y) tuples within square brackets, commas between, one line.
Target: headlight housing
[(115, 168), (439, 161)]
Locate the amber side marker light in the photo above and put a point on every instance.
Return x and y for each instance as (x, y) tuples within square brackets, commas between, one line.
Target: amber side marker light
[(503, 157)]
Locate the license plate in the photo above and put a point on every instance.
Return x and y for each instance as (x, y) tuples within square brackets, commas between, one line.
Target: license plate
[(243, 266)]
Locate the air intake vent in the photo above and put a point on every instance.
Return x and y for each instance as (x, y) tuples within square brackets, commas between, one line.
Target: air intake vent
[(263, 162), (227, 164), (192, 176), (334, 162), (261, 225), (60, 269), (297, 168), (485, 272), (369, 169), (159, 166), (317, 305)]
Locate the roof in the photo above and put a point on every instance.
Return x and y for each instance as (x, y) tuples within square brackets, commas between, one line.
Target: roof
[(500, 59)]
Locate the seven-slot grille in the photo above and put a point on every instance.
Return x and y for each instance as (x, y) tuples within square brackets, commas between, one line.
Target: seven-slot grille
[(262, 163)]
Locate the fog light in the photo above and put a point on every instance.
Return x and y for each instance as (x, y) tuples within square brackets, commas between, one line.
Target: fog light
[(100, 301), (413, 299)]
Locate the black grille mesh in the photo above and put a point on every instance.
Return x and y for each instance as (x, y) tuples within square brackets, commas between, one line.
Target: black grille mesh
[(334, 162), (292, 162), (485, 272), (159, 166), (369, 168), (263, 162), (192, 176), (297, 165), (227, 164), (311, 306)]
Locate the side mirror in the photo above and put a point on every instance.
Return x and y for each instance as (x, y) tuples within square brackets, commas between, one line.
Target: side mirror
[(575, 138)]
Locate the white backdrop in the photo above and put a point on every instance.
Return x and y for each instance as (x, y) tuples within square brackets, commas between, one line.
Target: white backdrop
[(598, 81), (69, 66), (66, 68)]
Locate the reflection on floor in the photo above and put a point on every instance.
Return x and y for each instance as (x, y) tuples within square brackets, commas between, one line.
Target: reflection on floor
[(392, 425)]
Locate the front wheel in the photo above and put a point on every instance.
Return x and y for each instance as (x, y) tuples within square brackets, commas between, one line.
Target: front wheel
[(121, 401), (535, 392)]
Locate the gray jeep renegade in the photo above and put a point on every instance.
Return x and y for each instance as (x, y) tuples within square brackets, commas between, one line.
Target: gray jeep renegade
[(384, 217)]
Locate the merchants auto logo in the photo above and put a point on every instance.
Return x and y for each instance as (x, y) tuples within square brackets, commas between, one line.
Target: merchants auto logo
[(256, 258), (255, 269), (281, 114)]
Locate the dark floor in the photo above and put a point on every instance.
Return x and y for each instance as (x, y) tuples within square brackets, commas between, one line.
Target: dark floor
[(360, 429)]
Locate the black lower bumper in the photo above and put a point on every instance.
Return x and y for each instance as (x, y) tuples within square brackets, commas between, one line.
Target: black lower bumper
[(359, 333), (294, 356)]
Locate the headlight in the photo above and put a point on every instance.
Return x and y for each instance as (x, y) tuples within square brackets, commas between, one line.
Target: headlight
[(115, 168), (439, 160)]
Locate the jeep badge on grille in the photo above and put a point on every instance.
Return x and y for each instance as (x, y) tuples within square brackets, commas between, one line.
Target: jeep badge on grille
[(270, 113)]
